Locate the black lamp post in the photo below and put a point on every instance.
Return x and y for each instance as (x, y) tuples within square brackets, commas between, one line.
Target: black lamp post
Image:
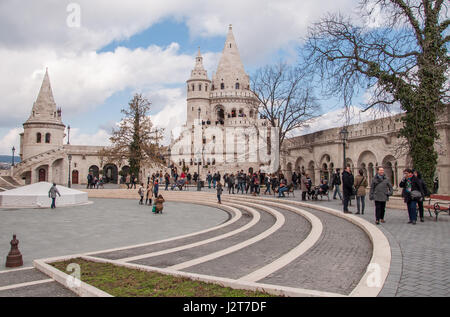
[(68, 134), (344, 137), (12, 159), (70, 161)]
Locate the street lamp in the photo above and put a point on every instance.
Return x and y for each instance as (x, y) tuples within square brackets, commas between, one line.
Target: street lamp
[(68, 134), (13, 149), (344, 137), (70, 161)]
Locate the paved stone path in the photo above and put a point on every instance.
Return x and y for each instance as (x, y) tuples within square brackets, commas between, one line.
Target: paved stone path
[(420, 253), (30, 282), (336, 262)]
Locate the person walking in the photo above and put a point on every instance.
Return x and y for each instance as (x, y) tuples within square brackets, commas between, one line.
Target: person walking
[(52, 194), (149, 193), (133, 181), (141, 192), (303, 186), (347, 187), (231, 183), (336, 184), (156, 188), (267, 184), (167, 179), (360, 186), (380, 190), (128, 181), (411, 193), (89, 180), (219, 190), (209, 179), (424, 191)]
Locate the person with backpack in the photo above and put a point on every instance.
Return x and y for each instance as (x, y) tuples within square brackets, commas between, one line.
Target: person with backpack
[(141, 192), (360, 186), (425, 193)]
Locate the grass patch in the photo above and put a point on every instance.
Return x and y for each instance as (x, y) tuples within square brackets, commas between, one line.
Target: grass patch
[(125, 282)]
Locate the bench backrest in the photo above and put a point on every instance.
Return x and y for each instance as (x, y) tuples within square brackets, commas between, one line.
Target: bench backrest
[(440, 197)]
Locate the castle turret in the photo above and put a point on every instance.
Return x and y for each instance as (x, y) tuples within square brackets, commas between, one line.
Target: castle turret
[(44, 129), (198, 89)]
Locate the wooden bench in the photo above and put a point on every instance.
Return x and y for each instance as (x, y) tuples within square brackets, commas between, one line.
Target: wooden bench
[(438, 204)]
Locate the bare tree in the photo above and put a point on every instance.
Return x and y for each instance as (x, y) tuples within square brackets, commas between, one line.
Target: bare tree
[(286, 96), (402, 60), (135, 139)]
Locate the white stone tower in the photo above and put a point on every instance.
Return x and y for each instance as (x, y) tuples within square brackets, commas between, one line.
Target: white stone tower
[(44, 130), (198, 88)]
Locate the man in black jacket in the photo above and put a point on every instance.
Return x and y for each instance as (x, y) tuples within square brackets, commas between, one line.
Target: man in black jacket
[(347, 187)]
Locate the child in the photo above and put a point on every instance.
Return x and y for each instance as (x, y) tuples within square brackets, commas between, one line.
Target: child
[(141, 193)]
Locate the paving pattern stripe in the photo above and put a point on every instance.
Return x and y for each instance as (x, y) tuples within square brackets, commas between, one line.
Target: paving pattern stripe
[(335, 263), (261, 253), (167, 260), (381, 251), (50, 289), (236, 216), (19, 285), (277, 225), (15, 270), (305, 245), (255, 219), (21, 276)]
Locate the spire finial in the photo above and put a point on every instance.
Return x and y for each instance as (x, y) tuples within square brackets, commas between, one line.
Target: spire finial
[(199, 54), (230, 27)]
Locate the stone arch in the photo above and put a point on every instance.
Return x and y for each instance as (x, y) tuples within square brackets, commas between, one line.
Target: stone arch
[(389, 164), (220, 113), (110, 173), (57, 171), (311, 171), (369, 160), (75, 177), (300, 165), (94, 169), (42, 173)]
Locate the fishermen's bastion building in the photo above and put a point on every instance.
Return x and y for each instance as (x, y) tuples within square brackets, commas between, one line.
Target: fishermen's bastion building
[(222, 103)]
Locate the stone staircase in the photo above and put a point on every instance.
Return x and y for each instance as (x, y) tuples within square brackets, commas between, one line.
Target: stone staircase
[(7, 183)]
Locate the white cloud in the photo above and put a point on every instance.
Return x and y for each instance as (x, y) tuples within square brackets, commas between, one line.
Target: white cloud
[(35, 35), (10, 139), (101, 137)]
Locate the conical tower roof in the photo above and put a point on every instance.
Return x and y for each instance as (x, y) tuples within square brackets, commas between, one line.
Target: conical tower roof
[(230, 68), (44, 108), (199, 71)]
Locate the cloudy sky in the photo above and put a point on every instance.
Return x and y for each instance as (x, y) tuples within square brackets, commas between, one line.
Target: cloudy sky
[(99, 53)]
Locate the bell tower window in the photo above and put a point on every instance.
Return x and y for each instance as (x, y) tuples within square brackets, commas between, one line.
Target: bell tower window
[(38, 137), (237, 85), (222, 86), (47, 138)]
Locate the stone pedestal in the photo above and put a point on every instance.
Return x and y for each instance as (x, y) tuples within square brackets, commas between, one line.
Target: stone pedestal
[(14, 258)]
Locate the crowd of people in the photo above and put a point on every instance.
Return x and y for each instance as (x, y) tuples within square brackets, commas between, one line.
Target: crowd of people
[(346, 186)]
